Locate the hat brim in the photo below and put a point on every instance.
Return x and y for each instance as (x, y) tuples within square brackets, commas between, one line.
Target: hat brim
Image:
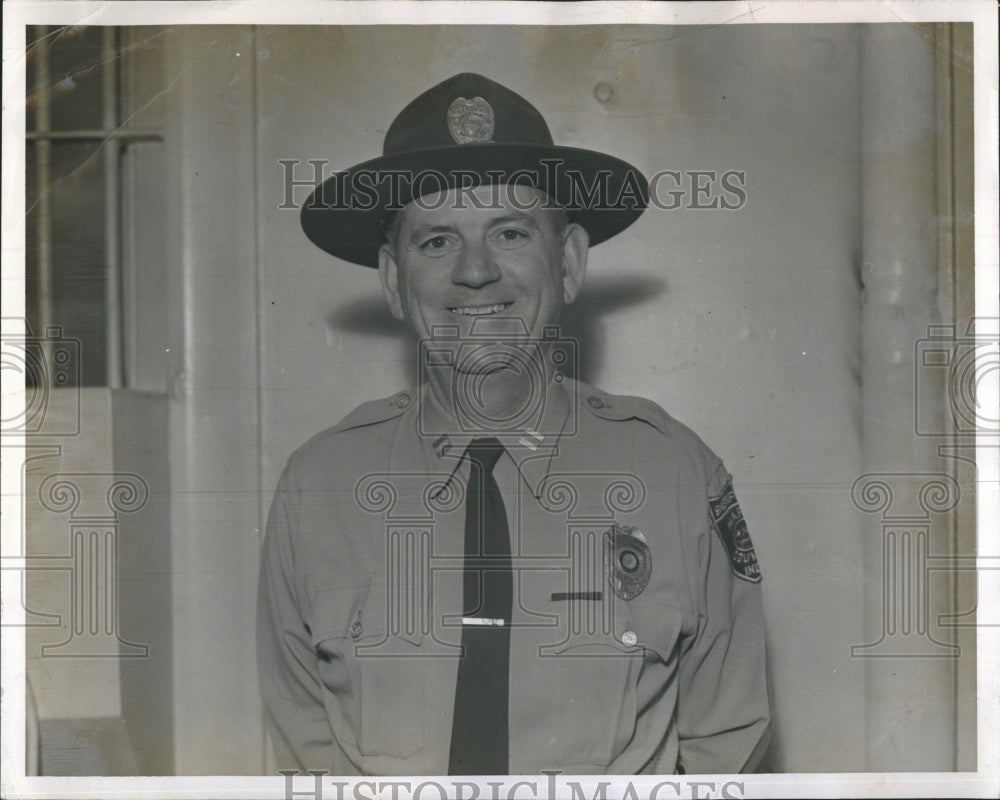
[(343, 216)]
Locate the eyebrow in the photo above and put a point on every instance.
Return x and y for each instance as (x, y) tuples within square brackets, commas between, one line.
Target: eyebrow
[(514, 216), (424, 230)]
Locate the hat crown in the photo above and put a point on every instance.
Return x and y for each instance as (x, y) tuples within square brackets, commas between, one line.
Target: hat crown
[(487, 112)]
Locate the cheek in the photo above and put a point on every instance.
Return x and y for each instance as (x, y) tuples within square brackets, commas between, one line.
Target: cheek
[(543, 271), (420, 291)]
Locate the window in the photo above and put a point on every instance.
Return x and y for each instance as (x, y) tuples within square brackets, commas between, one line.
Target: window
[(80, 153)]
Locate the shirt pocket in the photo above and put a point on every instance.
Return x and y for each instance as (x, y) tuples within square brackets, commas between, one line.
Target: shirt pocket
[(380, 667), (596, 684), (390, 660)]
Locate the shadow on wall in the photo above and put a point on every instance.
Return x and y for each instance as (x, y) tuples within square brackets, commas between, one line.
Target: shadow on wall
[(601, 295)]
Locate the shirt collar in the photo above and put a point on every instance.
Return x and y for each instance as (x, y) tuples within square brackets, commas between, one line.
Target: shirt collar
[(532, 449)]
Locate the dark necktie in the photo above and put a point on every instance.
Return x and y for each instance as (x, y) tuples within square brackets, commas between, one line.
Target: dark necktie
[(479, 732)]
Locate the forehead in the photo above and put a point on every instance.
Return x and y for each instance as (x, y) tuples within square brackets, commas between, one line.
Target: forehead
[(477, 206)]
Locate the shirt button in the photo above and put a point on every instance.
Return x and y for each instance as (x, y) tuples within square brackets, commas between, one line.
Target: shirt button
[(630, 639), (356, 629), (595, 401), (402, 401)]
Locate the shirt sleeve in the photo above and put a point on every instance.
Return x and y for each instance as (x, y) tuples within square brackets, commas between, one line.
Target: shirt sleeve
[(287, 663), (723, 715)]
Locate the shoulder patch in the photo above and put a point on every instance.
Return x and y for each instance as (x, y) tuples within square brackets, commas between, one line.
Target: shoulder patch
[(727, 519), (376, 411)]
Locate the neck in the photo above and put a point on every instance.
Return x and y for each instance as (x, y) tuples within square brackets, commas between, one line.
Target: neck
[(490, 400)]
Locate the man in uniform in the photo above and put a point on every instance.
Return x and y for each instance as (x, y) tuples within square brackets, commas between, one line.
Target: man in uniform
[(506, 570)]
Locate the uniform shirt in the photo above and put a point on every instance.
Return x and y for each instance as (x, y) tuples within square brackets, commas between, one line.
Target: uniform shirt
[(361, 593)]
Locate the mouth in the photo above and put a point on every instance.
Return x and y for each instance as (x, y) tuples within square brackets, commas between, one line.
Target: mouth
[(480, 311)]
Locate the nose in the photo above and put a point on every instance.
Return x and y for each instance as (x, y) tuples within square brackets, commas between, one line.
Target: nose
[(475, 266)]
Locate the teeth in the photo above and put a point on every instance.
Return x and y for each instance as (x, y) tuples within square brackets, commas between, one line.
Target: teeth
[(477, 311)]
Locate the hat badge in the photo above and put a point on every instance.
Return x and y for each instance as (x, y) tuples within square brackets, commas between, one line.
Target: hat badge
[(470, 121)]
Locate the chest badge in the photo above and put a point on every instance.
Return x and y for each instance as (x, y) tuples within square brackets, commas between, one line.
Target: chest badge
[(470, 121), (627, 561)]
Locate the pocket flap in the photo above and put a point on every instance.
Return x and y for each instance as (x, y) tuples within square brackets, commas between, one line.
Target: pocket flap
[(390, 611), (634, 625), (339, 612)]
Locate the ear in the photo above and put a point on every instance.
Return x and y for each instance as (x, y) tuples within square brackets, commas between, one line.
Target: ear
[(576, 243), (388, 273)]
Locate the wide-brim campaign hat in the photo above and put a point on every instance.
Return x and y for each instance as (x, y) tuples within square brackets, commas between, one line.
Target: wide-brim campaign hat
[(469, 131)]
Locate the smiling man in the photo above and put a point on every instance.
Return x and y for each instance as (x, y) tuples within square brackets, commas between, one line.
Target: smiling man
[(506, 262), (506, 570)]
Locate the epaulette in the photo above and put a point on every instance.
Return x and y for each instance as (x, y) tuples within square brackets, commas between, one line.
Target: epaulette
[(624, 407), (375, 411), (620, 407)]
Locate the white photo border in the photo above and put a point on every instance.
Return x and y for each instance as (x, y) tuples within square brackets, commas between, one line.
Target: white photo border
[(16, 15)]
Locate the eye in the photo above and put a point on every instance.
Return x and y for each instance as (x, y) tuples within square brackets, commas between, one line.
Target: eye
[(511, 237), (436, 244)]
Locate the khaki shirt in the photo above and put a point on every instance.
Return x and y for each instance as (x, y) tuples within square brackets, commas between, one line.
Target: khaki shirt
[(361, 591)]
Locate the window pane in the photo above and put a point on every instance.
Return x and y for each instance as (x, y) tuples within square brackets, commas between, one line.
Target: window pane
[(31, 241), (77, 303), (31, 80), (75, 74)]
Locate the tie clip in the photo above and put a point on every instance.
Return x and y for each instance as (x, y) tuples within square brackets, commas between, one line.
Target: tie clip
[(531, 440), (499, 623)]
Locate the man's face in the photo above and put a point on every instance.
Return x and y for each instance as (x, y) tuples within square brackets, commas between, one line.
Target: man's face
[(503, 257)]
